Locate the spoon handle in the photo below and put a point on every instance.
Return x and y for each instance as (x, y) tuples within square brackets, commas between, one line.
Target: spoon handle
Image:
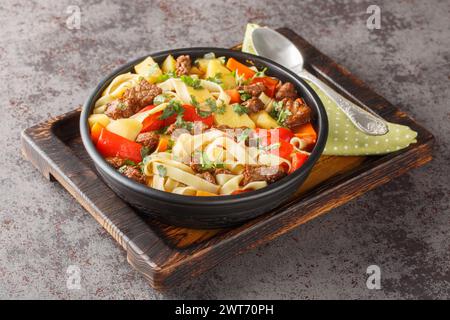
[(369, 123)]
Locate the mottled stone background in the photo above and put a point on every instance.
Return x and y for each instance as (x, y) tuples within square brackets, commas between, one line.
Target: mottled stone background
[(404, 227)]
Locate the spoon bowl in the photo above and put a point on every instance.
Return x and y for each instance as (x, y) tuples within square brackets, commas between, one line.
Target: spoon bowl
[(277, 47), (273, 45)]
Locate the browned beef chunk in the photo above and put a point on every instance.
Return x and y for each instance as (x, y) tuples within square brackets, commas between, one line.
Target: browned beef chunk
[(148, 139), (286, 90), (254, 105), (207, 176), (262, 173), (221, 171), (300, 113), (253, 89), (116, 162), (183, 65), (133, 173), (133, 100), (141, 95), (118, 109), (196, 166)]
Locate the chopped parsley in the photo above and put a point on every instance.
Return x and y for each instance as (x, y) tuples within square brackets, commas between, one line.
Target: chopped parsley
[(244, 135), (165, 76), (122, 106), (244, 95), (129, 162), (206, 163), (192, 82), (279, 113), (282, 116), (240, 79), (161, 98), (261, 73), (194, 101), (162, 171), (180, 123), (212, 104), (216, 79), (240, 109), (144, 152), (174, 107), (200, 112)]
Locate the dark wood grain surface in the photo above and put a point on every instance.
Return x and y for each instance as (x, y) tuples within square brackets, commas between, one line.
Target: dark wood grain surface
[(167, 255)]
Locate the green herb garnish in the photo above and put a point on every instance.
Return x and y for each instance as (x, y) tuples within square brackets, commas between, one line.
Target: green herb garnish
[(144, 152), (122, 106), (192, 82), (282, 116), (216, 79), (212, 104), (174, 107), (180, 123), (240, 109), (162, 171), (200, 112), (261, 73), (161, 98), (165, 76), (129, 162), (206, 163), (244, 135), (244, 95), (279, 113)]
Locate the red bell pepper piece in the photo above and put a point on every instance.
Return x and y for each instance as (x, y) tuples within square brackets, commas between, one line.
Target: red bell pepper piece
[(273, 135), (297, 160), (150, 107), (282, 134), (112, 145), (95, 132), (283, 150), (152, 122), (270, 84), (190, 114)]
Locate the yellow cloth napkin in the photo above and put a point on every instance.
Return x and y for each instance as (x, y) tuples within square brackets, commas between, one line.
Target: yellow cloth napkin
[(344, 139)]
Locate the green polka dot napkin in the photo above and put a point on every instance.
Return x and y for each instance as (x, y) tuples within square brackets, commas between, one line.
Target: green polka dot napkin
[(344, 139)]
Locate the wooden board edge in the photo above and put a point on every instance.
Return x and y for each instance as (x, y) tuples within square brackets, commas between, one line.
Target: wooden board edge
[(167, 276)]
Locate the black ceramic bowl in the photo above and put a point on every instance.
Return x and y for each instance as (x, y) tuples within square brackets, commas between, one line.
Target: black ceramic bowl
[(208, 212)]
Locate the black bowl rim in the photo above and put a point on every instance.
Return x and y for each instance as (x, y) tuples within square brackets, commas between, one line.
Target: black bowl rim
[(283, 183)]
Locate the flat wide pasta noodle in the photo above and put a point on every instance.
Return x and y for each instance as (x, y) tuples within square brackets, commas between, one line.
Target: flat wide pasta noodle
[(117, 88), (255, 185), (187, 191), (192, 180), (231, 185)]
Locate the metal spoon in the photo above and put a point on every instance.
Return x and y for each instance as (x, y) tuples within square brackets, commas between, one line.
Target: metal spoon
[(273, 45)]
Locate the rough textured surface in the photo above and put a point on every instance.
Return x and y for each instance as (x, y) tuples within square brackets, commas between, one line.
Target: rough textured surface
[(404, 227)]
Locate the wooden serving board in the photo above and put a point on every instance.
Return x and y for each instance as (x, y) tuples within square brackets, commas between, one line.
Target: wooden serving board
[(167, 255)]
